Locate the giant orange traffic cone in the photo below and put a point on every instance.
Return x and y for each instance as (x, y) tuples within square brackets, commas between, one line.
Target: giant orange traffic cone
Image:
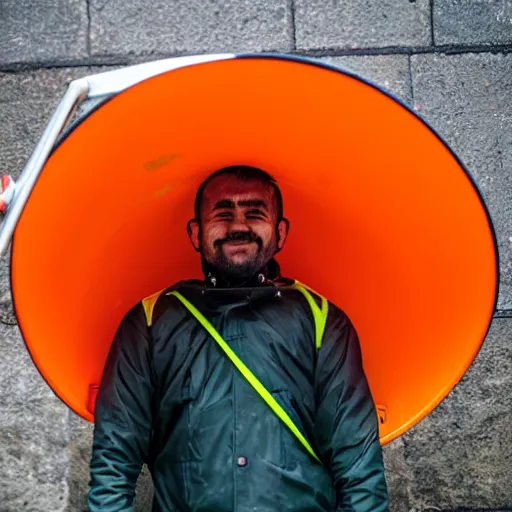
[(385, 220)]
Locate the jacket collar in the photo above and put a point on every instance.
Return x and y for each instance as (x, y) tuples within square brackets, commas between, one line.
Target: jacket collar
[(269, 275), (215, 295)]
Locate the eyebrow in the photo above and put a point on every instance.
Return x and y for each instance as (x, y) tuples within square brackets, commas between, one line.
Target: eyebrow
[(227, 203)]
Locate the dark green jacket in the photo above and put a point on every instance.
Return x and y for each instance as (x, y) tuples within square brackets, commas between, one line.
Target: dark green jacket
[(171, 398)]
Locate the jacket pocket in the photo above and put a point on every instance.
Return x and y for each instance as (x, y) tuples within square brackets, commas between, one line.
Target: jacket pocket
[(291, 447)]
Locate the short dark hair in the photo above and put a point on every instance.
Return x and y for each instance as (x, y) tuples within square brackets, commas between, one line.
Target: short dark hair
[(245, 173)]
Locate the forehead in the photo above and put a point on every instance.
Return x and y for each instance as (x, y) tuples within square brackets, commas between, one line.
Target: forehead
[(235, 189)]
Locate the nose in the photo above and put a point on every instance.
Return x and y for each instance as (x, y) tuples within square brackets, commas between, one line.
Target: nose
[(239, 222)]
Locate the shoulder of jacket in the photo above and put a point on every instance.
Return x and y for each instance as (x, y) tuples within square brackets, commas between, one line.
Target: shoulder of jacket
[(156, 304), (307, 292)]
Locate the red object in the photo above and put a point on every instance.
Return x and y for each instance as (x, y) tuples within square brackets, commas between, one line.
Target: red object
[(91, 398)]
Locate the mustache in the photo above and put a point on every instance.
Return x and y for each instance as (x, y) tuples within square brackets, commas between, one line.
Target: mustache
[(239, 236)]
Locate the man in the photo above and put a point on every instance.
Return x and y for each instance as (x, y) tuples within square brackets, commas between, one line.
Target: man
[(173, 396)]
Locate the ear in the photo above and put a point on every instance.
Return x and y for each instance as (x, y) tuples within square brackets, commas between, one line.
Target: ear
[(282, 232), (193, 231)]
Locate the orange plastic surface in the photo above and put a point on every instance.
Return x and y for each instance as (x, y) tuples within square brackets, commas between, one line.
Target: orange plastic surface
[(384, 222)]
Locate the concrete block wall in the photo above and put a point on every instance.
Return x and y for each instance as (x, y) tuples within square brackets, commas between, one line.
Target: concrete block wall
[(451, 60)]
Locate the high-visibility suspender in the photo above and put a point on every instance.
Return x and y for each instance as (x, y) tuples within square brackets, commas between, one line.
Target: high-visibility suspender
[(319, 312), (320, 319)]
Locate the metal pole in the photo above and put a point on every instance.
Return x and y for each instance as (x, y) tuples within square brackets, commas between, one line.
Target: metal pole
[(76, 93)]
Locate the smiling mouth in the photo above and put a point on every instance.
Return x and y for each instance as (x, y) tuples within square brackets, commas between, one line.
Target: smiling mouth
[(241, 242)]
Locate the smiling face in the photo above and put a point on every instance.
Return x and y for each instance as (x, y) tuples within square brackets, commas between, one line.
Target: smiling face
[(239, 230)]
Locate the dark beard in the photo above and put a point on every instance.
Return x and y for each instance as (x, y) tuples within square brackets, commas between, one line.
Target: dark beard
[(232, 274), (236, 274)]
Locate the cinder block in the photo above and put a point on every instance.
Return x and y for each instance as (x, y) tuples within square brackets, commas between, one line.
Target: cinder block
[(189, 26), (50, 31), (461, 22), (355, 24)]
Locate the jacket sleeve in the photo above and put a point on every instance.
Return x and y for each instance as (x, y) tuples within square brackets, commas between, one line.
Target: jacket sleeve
[(123, 417), (346, 424)]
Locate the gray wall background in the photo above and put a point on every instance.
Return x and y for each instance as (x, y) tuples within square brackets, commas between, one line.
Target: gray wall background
[(450, 60)]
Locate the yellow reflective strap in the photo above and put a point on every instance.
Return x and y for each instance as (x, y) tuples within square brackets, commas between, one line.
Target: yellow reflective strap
[(249, 376), (149, 305), (319, 312)]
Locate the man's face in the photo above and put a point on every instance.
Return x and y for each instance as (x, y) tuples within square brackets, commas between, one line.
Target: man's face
[(238, 232)]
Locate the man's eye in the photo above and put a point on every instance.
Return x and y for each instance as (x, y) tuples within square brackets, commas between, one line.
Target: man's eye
[(255, 214), (224, 215)]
